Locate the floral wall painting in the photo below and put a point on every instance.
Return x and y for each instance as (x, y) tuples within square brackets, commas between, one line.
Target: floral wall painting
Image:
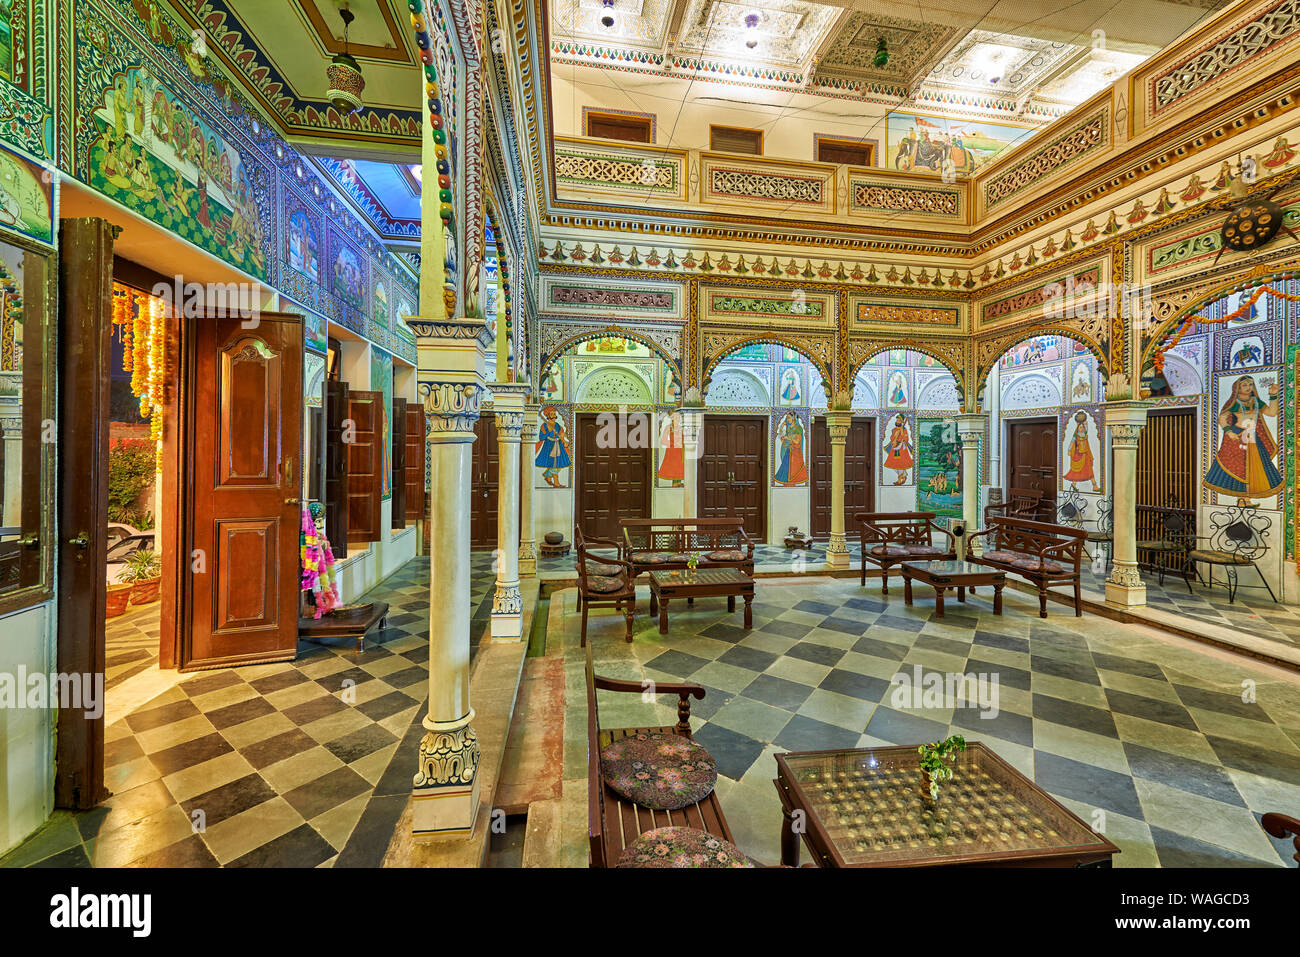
[(381, 380), (1245, 458), (897, 390), (671, 472), (26, 197), (791, 445), (791, 388), (304, 248), (900, 449), (1081, 450), (938, 467), (754, 352), (380, 305), (551, 454)]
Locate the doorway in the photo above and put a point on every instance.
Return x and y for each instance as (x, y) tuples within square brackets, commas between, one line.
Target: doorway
[(613, 481), (859, 468), (1032, 450), (733, 471), (483, 488), (1167, 480)]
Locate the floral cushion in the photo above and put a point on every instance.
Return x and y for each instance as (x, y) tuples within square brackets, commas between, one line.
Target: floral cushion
[(658, 770), (1038, 565), (600, 568), (923, 550), (661, 558), (681, 847), (726, 555), (889, 551), (605, 584), (1002, 555)]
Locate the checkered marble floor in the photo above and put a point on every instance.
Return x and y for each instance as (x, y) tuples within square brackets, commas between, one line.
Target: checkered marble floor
[(131, 643), (770, 557), (301, 764), (1151, 730)]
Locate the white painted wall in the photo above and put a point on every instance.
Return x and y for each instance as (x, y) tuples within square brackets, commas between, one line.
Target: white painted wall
[(26, 735)]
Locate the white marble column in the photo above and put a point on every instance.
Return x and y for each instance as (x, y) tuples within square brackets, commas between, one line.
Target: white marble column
[(507, 606), (527, 537), (692, 449), (450, 368), (12, 429), (837, 549), (970, 430), (1125, 420)]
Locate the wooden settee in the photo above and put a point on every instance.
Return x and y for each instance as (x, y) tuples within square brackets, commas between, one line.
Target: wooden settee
[(613, 821), (653, 544), (889, 538), (1040, 552)]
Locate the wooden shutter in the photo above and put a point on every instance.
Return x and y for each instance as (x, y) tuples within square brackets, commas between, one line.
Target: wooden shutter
[(414, 462), (365, 486), (397, 480), (336, 467)]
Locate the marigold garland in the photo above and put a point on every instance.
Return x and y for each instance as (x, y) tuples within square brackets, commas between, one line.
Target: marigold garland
[(145, 354), (1247, 308)]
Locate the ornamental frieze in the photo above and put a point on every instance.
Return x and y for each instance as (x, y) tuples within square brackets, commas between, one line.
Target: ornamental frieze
[(1072, 290), (894, 313), (866, 195)]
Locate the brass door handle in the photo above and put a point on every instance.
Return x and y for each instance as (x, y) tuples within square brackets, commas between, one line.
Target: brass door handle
[(292, 501), (81, 541), (31, 541)]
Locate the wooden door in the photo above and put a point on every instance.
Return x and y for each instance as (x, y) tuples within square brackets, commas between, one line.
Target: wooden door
[(859, 475), (336, 467), (415, 509), (1032, 451), (246, 436), (483, 487), (612, 482), (365, 461), (397, 477), (733, 471)]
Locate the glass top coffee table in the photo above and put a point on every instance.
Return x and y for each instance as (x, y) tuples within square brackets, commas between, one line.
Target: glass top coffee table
[(867, 808), (944, 574), (701, 583)]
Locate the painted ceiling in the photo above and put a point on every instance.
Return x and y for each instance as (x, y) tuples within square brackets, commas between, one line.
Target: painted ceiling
[(279, 49), (386, 194), (1012, 61)]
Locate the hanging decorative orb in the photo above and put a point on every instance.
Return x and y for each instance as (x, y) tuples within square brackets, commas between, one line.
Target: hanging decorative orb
[(344, 73)]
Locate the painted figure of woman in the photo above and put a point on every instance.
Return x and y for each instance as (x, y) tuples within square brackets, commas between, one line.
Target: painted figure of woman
[(1080, 453), (898, 452), (897, 389), (672, 468), (1244, 464), (793, 471), (552, 448), (790, 386)]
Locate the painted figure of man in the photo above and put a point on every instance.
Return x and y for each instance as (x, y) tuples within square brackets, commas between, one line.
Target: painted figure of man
[(898, 451), (552, 448)]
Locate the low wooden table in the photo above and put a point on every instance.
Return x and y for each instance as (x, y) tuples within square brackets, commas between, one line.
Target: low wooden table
[(942, 575), (701, 583), (355, 622), (866, 808)]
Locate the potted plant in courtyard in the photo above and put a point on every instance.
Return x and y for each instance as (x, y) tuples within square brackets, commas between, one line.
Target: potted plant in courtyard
[(119, 593), (144, 572), (936, 763)]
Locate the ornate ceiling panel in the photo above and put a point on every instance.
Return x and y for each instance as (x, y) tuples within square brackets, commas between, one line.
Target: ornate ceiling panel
[(787, 33), (637, 23), (912, 44), (999, 63)]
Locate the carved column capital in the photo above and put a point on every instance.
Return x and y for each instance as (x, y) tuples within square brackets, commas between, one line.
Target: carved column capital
[(838, 422)]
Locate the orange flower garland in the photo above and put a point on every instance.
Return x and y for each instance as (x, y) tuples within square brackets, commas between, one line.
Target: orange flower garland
[(1247, 308), (145, 354)]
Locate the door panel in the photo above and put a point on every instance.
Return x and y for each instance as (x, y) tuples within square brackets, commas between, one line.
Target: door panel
[(859, 472), (612, 483), (365, 488), (397, 480), (336, 467), (1031, 462), (414, 462), (246, 430), (483, 497), (733, 471)]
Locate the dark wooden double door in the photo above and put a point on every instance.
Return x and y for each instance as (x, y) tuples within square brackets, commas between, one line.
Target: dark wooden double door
[(1032, 450), (733, 471), (859, 475), (612, 481), (485, 475)]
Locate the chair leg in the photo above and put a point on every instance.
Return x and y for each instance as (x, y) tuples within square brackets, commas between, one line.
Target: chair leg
[(884, 579), (864, 573), (584, 627), (579, 601), (1042, 601), (1266, 584), (1232, 584), (1078, 600), (628, 612)]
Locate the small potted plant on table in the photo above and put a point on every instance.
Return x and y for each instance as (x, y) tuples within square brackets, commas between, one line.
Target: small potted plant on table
[(144, 572), (936, 763)]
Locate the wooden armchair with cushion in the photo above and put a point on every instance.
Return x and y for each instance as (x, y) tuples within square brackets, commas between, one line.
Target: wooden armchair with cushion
[(603, 581), (889, 538)]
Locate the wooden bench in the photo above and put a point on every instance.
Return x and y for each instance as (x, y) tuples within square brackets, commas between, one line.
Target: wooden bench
[(1040, 552), (889, 538), (613, 821), (651, 544)]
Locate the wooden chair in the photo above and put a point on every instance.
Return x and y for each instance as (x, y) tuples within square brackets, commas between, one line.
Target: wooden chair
[(1028, 503), (597, 587), (1044, 554), (1280, 826), (1238, 539), (890, 538)]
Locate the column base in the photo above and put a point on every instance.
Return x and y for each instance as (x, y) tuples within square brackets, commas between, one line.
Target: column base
[(527, 560), (1125, 586), (507, 612), (445, 799), (836, 561)]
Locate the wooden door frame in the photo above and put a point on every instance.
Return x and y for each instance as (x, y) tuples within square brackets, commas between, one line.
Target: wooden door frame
[(1054, 421), (647, 510), (765, 482)]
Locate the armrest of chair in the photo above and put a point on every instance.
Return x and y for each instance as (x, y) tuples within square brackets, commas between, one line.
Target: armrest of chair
[(683, 691), (976, 534), (939, 528)]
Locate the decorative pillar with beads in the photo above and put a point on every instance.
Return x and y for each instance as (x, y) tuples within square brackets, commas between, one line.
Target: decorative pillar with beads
[(837, 549), (527, 539), (507, 606), (1124, 421)]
